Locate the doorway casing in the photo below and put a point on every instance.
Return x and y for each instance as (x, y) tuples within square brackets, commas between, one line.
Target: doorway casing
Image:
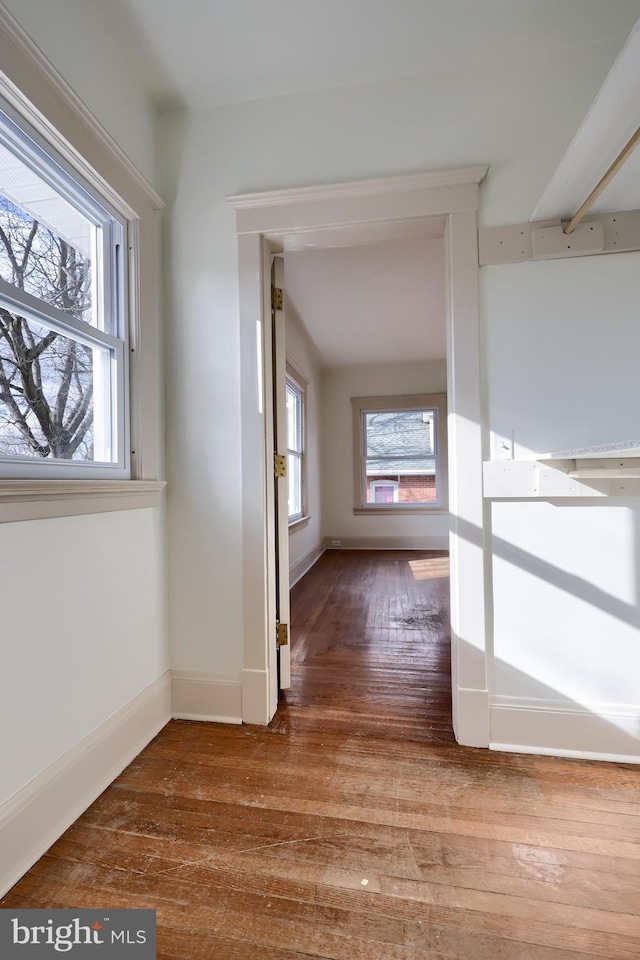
[(263, 220)]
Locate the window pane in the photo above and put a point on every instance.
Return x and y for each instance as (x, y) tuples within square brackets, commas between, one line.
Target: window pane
[(406, 483), (294, 474), (47, 247), (294, 419), (54, 394), (402, 433)]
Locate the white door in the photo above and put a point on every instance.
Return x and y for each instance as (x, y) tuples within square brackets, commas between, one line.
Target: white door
[(281, 495)]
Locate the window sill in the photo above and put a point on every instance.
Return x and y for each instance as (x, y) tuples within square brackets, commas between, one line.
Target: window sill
[(399, 510), (46, 499), (298, 523)]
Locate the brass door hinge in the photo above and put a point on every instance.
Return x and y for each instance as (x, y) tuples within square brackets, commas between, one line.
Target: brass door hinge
[(277, 300), (282, 634), (279, 465)]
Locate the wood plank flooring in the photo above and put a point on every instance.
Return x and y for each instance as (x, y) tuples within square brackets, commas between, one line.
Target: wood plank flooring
[(354, 827)]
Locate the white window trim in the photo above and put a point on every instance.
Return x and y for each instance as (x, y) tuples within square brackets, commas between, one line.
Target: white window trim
[(362, 405), (110, 277), (42, 98)]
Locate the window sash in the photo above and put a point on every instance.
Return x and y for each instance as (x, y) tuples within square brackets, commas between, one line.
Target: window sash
[(434, 404), (106, 333)]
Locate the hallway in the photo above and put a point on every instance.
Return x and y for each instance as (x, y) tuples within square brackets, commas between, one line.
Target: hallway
[(353, 827), (371, 653)]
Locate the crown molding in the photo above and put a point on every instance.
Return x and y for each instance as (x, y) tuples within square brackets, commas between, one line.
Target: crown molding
[(12, 32), (361, 188)]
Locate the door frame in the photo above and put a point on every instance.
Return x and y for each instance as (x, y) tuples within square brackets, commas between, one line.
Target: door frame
[(263, 220)]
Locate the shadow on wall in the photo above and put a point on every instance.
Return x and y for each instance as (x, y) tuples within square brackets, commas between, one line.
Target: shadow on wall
[(534, 707)]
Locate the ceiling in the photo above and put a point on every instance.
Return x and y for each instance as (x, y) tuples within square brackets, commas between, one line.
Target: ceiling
[(383, 302), (610, 123), (200, 53)]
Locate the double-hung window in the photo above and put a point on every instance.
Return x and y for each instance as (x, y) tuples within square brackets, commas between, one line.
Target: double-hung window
[(400, 461), (63, 336), (295, 448)]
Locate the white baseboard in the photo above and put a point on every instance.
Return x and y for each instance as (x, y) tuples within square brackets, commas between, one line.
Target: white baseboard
[(301, 566), (591, 731), (255, 697), (388, 543), (38, 814), (471, 717), (204, 696)]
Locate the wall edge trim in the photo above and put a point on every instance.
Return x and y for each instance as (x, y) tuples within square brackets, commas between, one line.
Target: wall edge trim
[(590, 731), (39, 813), (388, 543), (211, 697), (303, 564)]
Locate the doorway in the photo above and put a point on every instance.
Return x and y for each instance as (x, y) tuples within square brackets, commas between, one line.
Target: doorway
[(263, 223)]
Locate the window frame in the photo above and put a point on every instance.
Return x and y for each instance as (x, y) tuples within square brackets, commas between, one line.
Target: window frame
[(110, 286), (425, 401), (37, 94)]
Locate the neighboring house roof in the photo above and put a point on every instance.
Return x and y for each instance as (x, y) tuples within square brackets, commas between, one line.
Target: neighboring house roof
[(395, 435), (406, 468)]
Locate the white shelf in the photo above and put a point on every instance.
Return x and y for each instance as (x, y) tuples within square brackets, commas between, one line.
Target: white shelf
[(606, 470)]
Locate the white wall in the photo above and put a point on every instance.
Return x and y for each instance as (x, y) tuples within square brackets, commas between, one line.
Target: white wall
[(519, 115), (82, 614), (305, 541), (562, 372), (338, 387), (83, 597)]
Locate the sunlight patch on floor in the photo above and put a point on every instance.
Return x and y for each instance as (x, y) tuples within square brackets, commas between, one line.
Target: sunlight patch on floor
[(432, 568)]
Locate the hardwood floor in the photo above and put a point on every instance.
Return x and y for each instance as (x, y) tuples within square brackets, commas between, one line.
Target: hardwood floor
[(354, 827)]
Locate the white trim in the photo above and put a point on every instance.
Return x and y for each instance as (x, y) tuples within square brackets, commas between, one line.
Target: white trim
[(263, 222), (11, 31), (360, 188), (388, 543), (471, 598), (298, 522), (473, 713), (36, 91), (303, 564), (597, 731), (589, 708), (45, 499), (569, 754), (407, 402), (256, 695), (514, 243), (204, 696), (553, 479), (38, 814)]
